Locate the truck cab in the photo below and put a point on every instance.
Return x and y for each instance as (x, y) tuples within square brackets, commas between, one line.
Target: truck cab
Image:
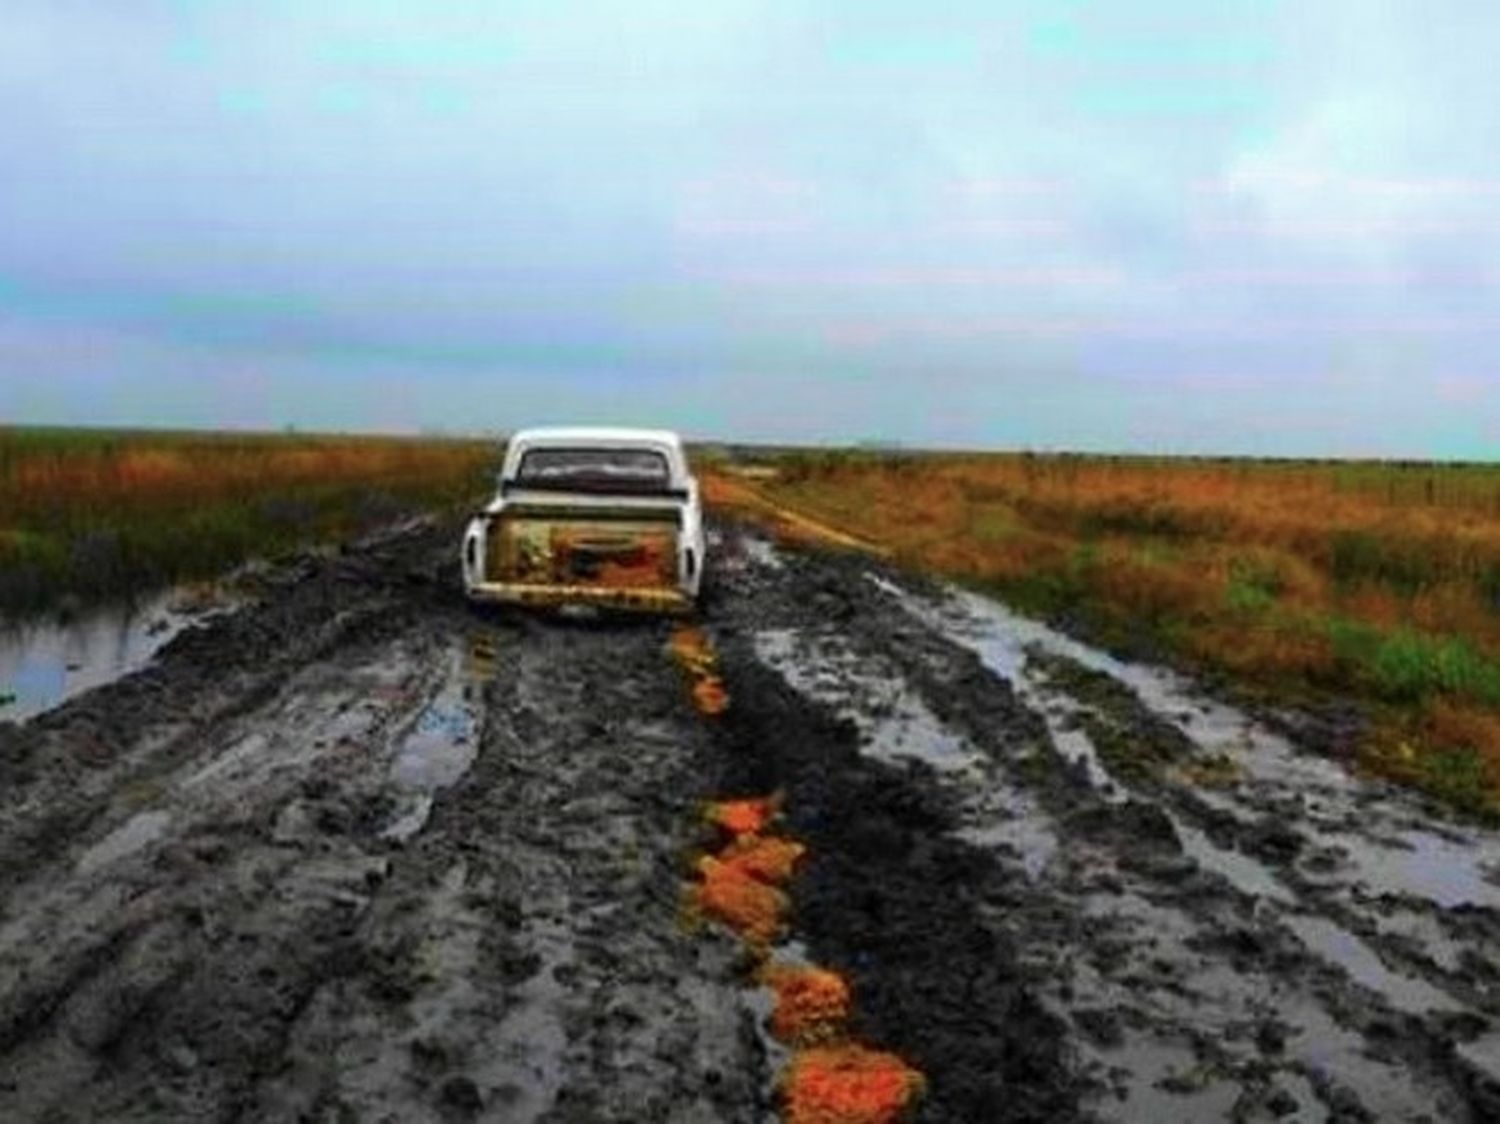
[(609, 518)]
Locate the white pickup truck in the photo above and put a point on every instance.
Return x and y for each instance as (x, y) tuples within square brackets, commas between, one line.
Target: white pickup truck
[(610, 518)]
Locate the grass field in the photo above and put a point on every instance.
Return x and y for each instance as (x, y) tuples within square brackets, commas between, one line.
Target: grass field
[(1310, 581), (87, 515)]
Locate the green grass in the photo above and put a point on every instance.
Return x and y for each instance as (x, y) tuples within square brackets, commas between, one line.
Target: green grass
[(1456, 777), (1408, 666)]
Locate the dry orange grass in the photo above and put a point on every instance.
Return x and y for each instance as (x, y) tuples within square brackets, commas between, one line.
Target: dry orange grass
[(1379, 582), (102, 514), (108, 477)]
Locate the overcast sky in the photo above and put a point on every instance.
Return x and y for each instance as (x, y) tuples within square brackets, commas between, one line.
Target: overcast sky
[(1165, 225)]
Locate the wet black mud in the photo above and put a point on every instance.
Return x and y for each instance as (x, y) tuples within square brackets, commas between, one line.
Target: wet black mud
[(357, 852), (893, 901)]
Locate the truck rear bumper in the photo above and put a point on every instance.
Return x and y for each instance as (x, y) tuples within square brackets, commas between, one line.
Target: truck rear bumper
[(669, 601)]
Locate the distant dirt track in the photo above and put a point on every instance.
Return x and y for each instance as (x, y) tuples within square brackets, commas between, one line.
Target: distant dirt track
[(357, 852)]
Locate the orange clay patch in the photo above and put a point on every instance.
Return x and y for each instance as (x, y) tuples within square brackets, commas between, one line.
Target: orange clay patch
[(699, 667), (829, 1081), (709, 695), (751, 908), (766, 859), (743, 817), (694, 652), (811, 1004), (691, 647), (848, 1085)]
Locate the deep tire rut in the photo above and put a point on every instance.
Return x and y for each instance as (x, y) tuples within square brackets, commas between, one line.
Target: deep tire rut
[(358, 853)]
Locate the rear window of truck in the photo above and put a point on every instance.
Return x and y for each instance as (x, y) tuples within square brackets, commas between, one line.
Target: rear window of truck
[(603, 470)]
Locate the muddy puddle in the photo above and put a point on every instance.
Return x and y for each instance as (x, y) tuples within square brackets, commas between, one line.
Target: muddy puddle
[(1243, 945), (896, 726), (1406, 993), (1356, 834), (1336, 861), (440, 746), (360, 853), (1383, 839), (46, 662)]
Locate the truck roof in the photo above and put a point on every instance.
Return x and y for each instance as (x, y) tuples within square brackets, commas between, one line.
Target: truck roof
[(664, 441), (595, 436)]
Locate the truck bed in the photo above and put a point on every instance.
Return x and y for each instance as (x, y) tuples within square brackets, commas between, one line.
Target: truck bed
[(625, 557)]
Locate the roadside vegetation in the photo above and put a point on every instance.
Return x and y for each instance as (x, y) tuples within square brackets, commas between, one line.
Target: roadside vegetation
[(1307, 582), (89, 515)]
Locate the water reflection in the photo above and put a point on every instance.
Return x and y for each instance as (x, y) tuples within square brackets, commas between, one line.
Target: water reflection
[(43, 663)]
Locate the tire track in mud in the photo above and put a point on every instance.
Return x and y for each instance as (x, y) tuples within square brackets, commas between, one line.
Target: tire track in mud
[(353, 882), (129, 895), (288, 890), (887, 897), (157, 960), (535, 968), (320, 862), (1202, 972)]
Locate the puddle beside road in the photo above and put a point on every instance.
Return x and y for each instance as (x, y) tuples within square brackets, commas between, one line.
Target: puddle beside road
[(1323, 853), (1337, 945), (45, 663), (1418, 863), (1368, 828), (1240, 871)]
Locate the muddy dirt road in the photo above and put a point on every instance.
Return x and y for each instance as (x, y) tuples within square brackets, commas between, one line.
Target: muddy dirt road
[(354, 852)]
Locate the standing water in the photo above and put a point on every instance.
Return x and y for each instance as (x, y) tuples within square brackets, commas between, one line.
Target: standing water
[(45, 663)]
